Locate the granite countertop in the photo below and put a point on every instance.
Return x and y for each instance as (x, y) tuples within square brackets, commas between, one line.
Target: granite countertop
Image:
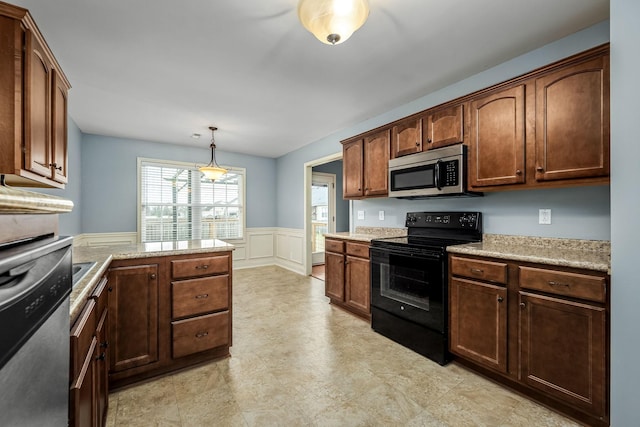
[(103, 255), (366, 234), (587, 254)]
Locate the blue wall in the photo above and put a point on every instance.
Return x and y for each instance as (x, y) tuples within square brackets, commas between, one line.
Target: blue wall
[(71, 223), (342, 205), (109, 180), (625, 211), (576, 213)]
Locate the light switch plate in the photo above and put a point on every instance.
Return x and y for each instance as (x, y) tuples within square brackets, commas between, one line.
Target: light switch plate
[(544, 216), (360, 214), (381, 215)]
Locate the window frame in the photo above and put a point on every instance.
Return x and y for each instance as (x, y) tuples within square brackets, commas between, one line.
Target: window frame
[(188, 165)]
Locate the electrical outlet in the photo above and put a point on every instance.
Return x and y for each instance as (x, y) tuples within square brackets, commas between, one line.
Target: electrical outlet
[(544, 216), (360, 214), (381, 215)]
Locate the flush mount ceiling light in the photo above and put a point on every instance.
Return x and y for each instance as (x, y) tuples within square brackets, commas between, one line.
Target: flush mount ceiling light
[(333, 21), (212, 171)]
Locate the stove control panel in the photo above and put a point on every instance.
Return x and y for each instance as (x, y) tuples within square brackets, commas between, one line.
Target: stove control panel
[(451, 220)]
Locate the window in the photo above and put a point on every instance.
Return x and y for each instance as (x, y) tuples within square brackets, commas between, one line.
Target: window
[(176, 202)]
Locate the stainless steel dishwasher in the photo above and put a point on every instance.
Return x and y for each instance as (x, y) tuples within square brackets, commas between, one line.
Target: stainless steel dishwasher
[(35, 283)]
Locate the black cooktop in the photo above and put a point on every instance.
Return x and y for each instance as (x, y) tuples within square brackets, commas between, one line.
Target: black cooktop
[(433, 230)]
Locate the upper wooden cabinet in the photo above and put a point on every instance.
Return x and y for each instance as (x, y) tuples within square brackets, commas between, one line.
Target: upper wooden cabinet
[(406, 137), (497, 141), (444, 127), (572, 122), (33, 91), (433, 129), (365, 166)]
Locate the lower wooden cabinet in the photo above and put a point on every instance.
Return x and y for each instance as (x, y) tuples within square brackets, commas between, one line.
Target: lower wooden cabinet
[(133, 301), (347, 275), (543, 330), (88, 397), (167, 313)]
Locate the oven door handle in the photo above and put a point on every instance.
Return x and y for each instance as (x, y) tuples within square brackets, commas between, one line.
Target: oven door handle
[(437, 175), (378, 252)]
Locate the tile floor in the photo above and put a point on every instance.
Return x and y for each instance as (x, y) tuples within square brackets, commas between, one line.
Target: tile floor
[(299, 361)]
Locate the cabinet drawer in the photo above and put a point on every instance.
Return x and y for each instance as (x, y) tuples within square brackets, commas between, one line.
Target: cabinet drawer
[(479, 269), (563, 283), (198, 296), (200, 334), (82, 334), (334, 245), (358, 249), (100, 296), (196, 267)]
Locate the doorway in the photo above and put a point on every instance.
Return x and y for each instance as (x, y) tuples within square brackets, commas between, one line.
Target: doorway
[(331, 164), (323, 212)]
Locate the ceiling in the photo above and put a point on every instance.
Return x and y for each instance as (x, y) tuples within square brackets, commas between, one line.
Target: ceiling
[(164, 72)]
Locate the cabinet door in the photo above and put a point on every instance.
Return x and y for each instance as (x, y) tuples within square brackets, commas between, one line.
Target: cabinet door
[(334, 276), (102, 369), (83, 391), (497, 146), (479, 322), (37, 113), (563, 348), (357, 284), (406, 137), (133, 305), (572, 122), (353, 169), (444, 127), (59, 129), (376, 164)]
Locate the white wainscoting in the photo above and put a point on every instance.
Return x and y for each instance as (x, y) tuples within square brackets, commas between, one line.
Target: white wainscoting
[(262, 246)]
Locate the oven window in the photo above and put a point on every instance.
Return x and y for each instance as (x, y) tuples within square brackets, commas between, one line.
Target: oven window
[(413, 281)]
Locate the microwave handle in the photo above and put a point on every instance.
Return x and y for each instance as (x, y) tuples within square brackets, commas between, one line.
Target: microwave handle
[(437, 175)]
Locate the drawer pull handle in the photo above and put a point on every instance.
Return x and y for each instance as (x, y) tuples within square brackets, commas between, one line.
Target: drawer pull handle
[(203, 296), (477, 270), (552, 283), (202, 267), (202, 334)]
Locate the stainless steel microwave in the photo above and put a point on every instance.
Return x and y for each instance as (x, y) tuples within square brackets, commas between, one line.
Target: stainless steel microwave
[(433, 173)]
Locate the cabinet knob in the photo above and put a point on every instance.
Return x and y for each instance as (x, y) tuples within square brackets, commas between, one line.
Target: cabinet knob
[(518, 172), (152, 276), (417, 144), (540, 169), (102, 356), (104, 344), (500, 299), (429, 140), (522, 305), (55, 166)]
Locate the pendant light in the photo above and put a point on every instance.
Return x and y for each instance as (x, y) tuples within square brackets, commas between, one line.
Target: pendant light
[(333, 21), (212, 171)]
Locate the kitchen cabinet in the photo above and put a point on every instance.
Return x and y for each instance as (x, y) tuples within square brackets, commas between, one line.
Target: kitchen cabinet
[(366, 166), (406, 137), (543, 330), (435, 128), (133, 300), (82, 403), (347, 275), (201, 302), (445, 126), (34, 104), (572, 121), (497, 141), (89, 393), (478, 312), (167, 313)]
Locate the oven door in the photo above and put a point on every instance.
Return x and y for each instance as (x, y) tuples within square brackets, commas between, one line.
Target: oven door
[(410, 285)]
